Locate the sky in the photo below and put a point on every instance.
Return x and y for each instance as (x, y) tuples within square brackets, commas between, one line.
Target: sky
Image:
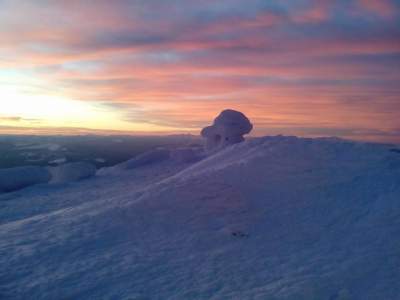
[(302, 67)]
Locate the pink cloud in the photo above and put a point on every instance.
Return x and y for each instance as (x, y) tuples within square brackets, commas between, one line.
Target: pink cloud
[(283, 68), (383, 8)]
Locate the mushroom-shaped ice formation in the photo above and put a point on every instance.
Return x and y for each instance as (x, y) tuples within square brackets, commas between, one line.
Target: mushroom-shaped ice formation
[(228, 128)]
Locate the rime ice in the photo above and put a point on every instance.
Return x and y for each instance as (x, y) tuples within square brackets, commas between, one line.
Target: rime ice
[(228, 128)]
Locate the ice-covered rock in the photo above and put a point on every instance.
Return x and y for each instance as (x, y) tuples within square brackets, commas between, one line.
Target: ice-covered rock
[(12, 179), (72, 172), (228, 128)]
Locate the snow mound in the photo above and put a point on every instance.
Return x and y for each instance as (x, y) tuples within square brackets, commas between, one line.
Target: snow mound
[(149, 157), (176, 157), (72, 172), (228, 129), (187, 155), (17, 178)]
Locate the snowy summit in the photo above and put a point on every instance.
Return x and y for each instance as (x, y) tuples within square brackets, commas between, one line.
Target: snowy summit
[(269, 218)]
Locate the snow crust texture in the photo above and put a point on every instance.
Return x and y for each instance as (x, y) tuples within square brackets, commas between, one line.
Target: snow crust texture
[(270, 218)]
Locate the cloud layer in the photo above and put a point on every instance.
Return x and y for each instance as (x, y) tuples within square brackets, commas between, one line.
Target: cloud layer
[(303, 67)]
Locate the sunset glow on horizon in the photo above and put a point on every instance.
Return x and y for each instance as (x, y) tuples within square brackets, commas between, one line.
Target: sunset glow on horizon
[(302, 67)]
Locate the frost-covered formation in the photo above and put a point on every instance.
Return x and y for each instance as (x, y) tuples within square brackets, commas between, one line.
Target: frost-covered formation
[(228, 128), (72, 172), (17, 178)]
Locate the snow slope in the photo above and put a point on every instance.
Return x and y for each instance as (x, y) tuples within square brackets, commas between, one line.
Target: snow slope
[(270, 218)]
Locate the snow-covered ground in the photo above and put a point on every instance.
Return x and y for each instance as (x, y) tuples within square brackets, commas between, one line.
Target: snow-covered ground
[(270, 218)]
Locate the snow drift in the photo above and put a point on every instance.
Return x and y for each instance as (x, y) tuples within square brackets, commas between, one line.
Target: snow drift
[(17, 178), (180, 155), (269, 218), (187, 154), (72, 172), (149, 157)]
